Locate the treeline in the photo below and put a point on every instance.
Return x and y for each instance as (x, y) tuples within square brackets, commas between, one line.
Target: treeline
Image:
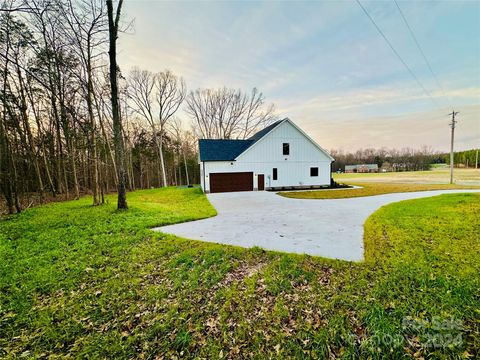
[(406, 159), (468, 158), (56, 136), (56, 128)]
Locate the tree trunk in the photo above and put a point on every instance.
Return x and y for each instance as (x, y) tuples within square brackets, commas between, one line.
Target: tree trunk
[(186, 168), (107, 142), (29, 137), (6, 166), (8, 175), (76, 187), (147, 179), (175, 180), (117, 121), (93, 145), (141, 171), (132, 174), (162, 161)]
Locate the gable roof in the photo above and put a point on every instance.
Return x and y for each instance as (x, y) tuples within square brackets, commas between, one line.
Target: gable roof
[(258, 135), (228, 150)]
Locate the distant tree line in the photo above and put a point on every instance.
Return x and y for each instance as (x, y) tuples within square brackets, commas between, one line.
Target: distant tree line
[(468, 158), (56, 122), (406, 159)]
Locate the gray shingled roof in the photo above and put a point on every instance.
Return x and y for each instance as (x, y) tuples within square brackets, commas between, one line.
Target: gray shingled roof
[(228, 150), (257, 136), (222, 150)]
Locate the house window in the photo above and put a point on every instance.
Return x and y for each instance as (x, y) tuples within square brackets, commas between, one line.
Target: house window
[(314, 171), (286, 149), (275, 174)]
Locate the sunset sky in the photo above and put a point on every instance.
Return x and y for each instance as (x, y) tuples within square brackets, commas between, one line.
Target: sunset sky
[(324, 64)]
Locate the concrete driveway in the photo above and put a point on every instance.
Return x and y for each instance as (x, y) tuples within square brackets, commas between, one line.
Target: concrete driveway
[(328, 228)]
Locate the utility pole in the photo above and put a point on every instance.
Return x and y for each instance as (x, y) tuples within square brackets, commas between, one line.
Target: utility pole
[(452, 125), (476, 160)]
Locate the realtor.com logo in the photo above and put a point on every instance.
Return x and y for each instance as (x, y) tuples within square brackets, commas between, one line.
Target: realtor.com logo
[(435, 333)]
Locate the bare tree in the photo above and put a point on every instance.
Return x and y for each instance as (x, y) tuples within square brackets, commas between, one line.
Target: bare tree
[(113, 24), (86, 21), (228, 114), (56, 107), (171, 91), (8, 174), (156, 98), (141, 88), (181, 139)]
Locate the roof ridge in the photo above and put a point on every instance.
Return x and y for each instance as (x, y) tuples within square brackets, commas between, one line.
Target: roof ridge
[(261, 133)]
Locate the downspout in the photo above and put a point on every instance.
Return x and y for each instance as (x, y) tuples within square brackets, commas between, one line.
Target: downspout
[(204, 178)]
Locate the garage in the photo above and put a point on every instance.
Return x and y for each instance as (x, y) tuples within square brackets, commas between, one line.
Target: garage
[(228, 182)]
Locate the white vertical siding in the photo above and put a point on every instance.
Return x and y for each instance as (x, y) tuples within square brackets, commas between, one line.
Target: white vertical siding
[(289, 173), (269, 148)]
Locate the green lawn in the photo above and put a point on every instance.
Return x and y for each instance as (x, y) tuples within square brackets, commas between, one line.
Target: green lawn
[(89, 282)]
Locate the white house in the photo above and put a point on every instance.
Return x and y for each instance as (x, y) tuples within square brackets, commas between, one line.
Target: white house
[(279, 156)]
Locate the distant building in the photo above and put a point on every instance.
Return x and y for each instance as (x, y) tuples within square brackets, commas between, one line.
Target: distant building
[(361, 168), (386, 167)]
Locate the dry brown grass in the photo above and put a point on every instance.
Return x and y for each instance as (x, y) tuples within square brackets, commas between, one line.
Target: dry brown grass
[(434, 176), (370, 189)]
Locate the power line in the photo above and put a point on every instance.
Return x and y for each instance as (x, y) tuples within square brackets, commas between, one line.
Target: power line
[(420, 48), (398, 55)]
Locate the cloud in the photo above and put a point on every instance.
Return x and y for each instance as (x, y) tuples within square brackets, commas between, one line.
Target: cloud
[(409, 130), (322, 63), (364, 98)]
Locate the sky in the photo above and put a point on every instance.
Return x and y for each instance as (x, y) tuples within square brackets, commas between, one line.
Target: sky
[(324, 65)]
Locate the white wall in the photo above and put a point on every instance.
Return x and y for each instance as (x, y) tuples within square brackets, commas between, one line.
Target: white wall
[(289, 173), (269, 148)]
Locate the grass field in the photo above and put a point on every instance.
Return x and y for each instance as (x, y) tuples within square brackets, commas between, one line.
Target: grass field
[(370, 188), (438, 175), (90, 282), (395, 182)]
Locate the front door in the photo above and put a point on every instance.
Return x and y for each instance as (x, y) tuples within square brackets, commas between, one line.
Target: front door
[(261, 182)]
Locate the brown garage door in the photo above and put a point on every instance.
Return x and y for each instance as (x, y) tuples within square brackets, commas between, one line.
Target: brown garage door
[(226, 182)]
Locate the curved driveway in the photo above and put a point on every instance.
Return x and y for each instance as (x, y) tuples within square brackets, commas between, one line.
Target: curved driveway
[(329, 228)]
